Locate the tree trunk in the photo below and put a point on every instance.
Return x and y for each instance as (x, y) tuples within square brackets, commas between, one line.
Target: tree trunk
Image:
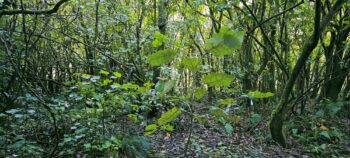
[(280, 112), (336, 69), (162, 22)]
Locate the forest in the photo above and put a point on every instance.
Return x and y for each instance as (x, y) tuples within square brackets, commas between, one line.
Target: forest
[(175, 78)]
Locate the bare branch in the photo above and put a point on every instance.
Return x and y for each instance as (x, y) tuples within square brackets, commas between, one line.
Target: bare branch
[(33, 12)]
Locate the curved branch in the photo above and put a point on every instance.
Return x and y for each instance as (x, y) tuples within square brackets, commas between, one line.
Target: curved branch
[(33, 12)]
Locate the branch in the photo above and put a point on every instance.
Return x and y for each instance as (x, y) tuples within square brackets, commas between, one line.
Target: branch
[(276, 15), (33, 12)]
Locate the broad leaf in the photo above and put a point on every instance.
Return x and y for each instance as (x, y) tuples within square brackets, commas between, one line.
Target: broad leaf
[(260, 95), (226, 102), (159, 39), (224, 42), (161, 57), (150, 129), (165, 86), (167, 128), (199, 93), (217, 79), (169, 116), (192, 64)]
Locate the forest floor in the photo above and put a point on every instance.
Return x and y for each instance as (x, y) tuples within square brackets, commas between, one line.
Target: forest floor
[(211, 140)]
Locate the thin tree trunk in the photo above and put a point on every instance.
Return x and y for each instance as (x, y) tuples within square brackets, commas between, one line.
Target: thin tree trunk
[(280, 112)]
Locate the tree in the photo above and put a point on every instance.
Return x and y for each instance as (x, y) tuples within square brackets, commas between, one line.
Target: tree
[(280, 112)]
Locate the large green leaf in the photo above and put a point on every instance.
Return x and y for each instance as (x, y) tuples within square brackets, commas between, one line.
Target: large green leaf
[(224, 42), (260, 95), (199, 93), (150, 129), (159, 39), (169, 116), (217, 79), (161, 57), (165, 86), (233, 39), (192, 64)]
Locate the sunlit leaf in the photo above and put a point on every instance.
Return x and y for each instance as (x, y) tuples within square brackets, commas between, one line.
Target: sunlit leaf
[(192, 64), (217, 79), (103, 72), (199, 93), (117, 74), (169, 116), (161, 57), (224, 42), (260, 95), (150, 129), (167, 127), (159, 39), (105, 82), (226, 102)]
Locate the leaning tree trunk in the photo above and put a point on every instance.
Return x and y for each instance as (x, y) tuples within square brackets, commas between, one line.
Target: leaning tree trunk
[(279, 114)]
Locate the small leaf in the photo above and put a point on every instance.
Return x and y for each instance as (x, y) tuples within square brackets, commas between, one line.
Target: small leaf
[(150, 129), (133, 117), (129, 86), (325, 134), (218, 112), (229, 129), (167, 128), (87, 145), (226, 102), (117, 74), (169, 116), (234, 118), (161, 57), (255, 118), (105, 82), (103, 72), (202, 119), (199, 93)]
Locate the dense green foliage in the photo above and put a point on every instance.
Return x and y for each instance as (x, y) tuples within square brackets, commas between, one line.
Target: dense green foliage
[(169, 78)]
